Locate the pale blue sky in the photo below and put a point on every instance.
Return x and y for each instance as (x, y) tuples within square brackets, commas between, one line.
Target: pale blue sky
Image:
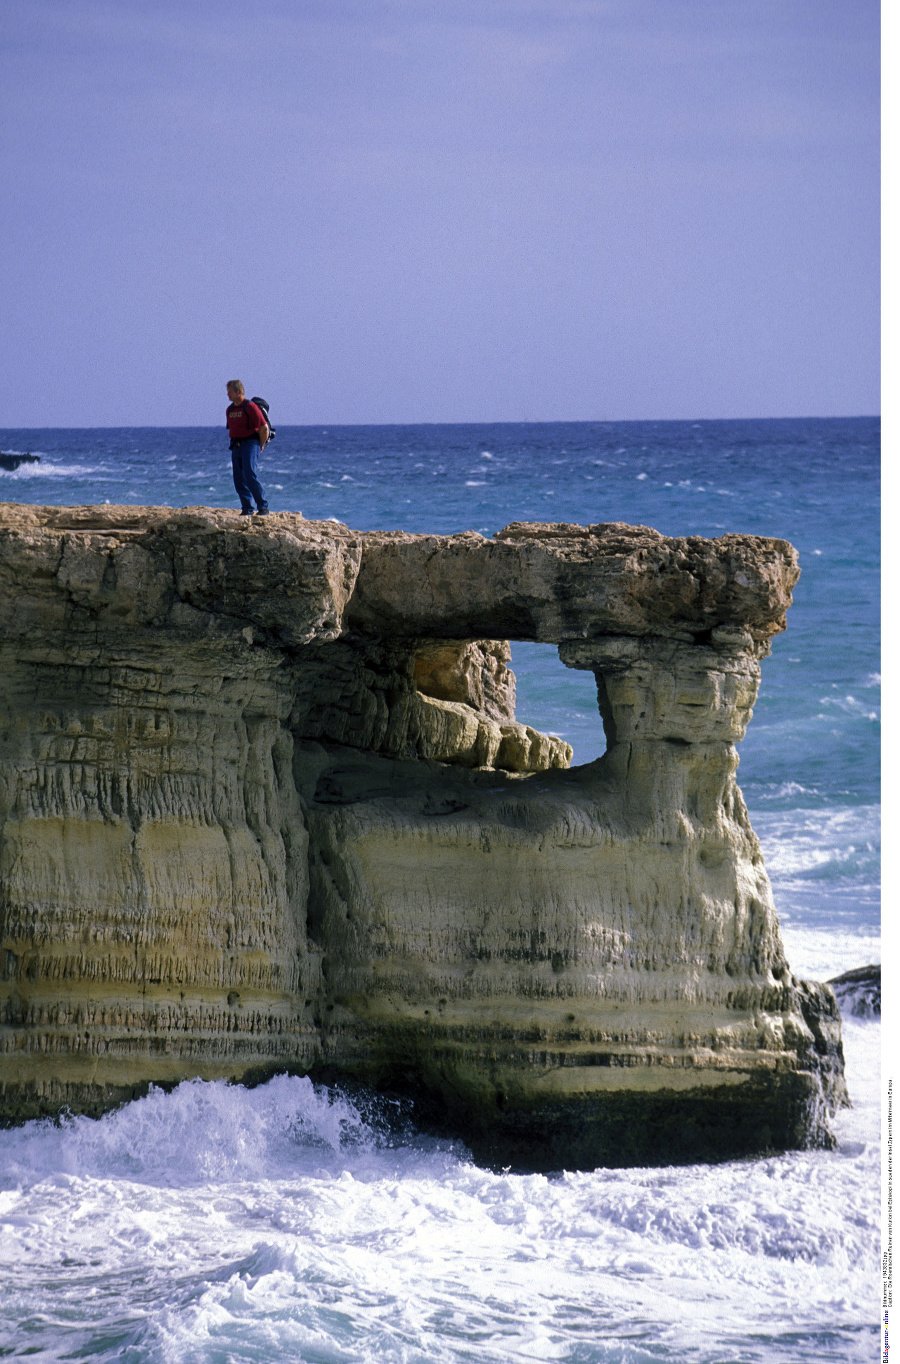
[(439, 210)]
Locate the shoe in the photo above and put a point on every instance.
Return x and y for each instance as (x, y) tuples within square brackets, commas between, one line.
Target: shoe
[(263, 511), (246, 513)]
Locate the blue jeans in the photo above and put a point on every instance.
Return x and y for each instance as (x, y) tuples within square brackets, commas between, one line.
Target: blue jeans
[(245, 471)]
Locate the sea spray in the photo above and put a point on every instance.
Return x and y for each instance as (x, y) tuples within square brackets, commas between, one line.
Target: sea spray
[(211, 1131), (215, 1222)]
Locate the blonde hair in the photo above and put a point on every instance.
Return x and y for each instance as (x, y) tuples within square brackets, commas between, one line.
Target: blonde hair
[(235, 386)]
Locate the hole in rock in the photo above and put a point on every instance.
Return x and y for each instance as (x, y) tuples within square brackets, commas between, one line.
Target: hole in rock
[(557, 700)]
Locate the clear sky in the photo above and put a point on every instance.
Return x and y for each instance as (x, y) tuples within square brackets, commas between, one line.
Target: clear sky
[(439, 210)]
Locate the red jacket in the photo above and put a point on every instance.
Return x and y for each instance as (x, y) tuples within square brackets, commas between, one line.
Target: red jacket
[(244, 419)]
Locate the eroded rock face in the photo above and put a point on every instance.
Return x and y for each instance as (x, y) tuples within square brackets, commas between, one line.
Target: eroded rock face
[(265, 805)]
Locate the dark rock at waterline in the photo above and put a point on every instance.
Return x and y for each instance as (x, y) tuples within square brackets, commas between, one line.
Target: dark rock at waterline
[(13, 461), (859, 992)]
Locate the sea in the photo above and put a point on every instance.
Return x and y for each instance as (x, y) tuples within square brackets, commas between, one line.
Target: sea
[(214, 1224)]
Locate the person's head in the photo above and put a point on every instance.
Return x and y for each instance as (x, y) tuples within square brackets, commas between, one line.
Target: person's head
[(235, 390)]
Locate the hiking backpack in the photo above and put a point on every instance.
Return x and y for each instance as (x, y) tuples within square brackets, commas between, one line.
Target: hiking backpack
[(264, 408)]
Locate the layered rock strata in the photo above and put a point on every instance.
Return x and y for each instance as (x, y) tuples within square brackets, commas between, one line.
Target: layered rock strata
[(265, 805)]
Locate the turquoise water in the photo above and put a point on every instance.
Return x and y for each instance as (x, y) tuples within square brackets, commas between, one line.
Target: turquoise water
[(215, 1224)]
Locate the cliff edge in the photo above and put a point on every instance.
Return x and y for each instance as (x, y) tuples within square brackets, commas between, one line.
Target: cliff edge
[(265, 805)]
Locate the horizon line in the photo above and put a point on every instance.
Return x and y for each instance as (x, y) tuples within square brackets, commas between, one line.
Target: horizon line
[(507, 421)]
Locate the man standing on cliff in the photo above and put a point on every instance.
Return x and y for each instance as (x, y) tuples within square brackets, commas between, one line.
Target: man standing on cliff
[(249, 432)]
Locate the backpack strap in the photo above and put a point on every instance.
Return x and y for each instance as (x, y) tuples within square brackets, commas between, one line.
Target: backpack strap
[(246, 404)]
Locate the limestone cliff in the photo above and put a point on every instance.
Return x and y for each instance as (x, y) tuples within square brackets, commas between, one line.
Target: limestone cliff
[(265, 805)]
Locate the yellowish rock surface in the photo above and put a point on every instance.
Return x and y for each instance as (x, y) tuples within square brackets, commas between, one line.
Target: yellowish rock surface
[(265, 805)]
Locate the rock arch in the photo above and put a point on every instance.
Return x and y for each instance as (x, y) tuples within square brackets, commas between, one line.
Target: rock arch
[(264, 804)]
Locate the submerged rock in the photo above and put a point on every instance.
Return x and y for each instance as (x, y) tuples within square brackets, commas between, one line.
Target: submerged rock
[(265, 805)]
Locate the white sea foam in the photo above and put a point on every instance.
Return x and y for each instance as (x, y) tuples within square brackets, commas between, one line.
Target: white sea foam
[(219, 1223), (47, 470), (850, 705), (814, 955), (787, 789), (799, 841)]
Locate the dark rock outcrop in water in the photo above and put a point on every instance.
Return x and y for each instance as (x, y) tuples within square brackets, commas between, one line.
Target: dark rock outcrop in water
[(265, 805), (858, 992), (13, 461)]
